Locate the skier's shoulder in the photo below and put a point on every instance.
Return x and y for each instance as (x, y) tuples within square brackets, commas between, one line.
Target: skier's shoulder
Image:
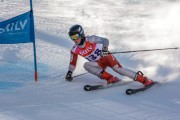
[(98, 39), (95, 38), (73, 49), (91, 37)]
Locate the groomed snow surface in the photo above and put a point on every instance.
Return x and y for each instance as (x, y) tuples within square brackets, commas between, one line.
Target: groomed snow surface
[(128, 24)]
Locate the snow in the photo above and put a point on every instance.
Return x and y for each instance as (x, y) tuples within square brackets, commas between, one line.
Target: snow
[(128, 24)]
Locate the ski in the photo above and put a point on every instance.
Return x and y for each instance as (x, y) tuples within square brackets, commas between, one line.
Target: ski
[(96, 87), (133, 91)]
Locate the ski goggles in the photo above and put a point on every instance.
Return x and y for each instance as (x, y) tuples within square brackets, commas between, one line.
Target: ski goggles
[(75, 36)]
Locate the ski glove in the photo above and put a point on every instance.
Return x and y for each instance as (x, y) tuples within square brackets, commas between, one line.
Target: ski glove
[(104, 52), (69, 76)]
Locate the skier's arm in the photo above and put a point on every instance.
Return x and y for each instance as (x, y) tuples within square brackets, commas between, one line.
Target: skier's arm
[(73, 61), (72, 66)]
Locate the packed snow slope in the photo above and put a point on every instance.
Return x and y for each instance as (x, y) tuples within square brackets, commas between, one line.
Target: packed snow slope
[(128, 24)]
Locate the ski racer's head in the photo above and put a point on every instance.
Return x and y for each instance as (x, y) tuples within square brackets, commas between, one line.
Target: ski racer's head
[(76, 33)]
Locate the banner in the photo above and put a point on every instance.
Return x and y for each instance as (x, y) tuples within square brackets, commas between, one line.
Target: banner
[(19, 29)]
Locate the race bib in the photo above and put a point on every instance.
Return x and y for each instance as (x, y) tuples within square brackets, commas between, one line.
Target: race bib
[(96, 54)]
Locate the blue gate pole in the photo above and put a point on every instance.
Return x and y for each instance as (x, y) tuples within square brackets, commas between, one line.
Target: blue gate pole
[(34, 44), (31, 8)]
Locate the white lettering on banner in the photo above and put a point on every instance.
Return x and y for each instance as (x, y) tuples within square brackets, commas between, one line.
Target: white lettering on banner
[(88, 49), (12, 27)]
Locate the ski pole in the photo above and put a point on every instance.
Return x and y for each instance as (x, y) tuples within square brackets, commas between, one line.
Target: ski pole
[(80, 74), (144, 50)]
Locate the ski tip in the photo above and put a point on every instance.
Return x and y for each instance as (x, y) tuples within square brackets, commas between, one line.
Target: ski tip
[(129, 91), (87, 87)]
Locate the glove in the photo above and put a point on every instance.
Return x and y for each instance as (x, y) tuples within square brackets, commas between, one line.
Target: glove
[(69, 76), (104, 52)]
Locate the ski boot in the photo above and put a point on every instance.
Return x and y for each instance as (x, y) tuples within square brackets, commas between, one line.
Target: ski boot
[(143, 79), (108, 77)]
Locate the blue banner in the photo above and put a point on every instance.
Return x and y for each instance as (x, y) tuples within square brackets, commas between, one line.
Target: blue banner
[(19, 29)]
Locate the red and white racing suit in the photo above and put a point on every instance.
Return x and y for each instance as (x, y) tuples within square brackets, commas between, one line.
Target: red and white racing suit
[(91, 50)]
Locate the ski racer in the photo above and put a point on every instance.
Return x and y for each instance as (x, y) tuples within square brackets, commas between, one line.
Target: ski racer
[(95, 50)]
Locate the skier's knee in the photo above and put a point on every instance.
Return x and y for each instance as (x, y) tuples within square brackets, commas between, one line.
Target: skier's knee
[(86, 64)]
